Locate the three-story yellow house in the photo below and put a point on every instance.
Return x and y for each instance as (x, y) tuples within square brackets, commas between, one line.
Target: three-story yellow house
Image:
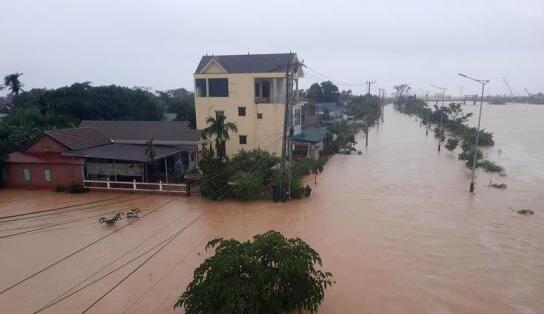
[(249, 90)]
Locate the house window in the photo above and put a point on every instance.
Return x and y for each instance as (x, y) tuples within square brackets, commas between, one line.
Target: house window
[(26, 174), (200, 88), (47, 175), (243, 139), (218, 87), (241, 111), (259, 115)]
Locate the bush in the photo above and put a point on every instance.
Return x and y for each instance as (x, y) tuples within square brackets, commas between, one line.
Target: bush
[(490, 166), (215, 178), (467, 155), (248, 186), (452, 143), (269, 274), (78, 188), (60, 188)]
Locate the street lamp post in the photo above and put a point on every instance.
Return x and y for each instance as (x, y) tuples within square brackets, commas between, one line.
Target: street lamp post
[(443, 89), (483, 82)]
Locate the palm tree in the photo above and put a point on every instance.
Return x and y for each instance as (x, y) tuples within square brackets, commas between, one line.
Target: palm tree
[(219, 128), (12, 82)]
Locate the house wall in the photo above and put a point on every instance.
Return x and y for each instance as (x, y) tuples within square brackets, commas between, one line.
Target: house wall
[(61, 175), (265, 133), (45, 144)]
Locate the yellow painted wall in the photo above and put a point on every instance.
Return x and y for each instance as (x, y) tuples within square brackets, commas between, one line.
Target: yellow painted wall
[(265, 133)]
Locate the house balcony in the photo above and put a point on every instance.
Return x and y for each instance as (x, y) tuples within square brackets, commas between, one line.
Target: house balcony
[(269, 90)]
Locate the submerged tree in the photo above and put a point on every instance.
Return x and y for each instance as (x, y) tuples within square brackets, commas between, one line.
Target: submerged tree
[(269, 274)]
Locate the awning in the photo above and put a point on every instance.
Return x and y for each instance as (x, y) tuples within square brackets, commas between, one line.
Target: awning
[(129, 152), (311, 135)]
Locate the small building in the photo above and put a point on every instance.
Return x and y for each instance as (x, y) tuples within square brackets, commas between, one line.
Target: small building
[(116, 151), (329, 110), (310, 142), (42, 163)]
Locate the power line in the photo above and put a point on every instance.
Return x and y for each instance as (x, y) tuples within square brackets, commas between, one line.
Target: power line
[(76, 252), (140, 266), (68, 294)]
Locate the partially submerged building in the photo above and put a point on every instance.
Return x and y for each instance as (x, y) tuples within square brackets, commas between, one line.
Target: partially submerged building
[(108, 151)]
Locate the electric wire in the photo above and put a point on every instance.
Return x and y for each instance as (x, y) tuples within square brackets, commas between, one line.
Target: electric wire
[(76, 252)]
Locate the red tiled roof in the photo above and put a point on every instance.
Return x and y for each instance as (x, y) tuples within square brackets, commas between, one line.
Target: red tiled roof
[(78, 138), (45, 158)]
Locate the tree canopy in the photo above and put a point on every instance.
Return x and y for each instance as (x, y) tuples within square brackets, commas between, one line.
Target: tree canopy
[(324, 92), (269, 274)]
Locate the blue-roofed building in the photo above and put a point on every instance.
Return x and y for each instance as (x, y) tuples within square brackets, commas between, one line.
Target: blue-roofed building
[(311, 141), (333, 109)]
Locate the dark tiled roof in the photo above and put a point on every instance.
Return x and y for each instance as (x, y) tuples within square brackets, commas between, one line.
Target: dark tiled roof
[(257, 63), (78, 138), (129, 152), (139, 132)]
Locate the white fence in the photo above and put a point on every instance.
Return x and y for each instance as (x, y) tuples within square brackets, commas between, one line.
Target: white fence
[(136, 186)]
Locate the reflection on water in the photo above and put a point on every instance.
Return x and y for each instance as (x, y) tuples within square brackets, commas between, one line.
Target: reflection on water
[(396, 226)]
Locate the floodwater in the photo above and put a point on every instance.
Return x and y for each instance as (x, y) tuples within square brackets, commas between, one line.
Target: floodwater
[(396, 226)]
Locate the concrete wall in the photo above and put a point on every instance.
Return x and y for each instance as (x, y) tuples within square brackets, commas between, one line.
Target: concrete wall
[(265, 133), (61, 175)]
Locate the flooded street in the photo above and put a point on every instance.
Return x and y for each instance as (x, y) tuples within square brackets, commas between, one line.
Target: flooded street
[(396, 227)]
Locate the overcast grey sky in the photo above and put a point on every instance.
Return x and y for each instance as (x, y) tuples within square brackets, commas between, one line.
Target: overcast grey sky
[(158, 44)]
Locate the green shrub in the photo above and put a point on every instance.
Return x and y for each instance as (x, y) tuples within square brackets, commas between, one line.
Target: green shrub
[(60, 188), (490, 166), (467, 155), (452, 143), (248, 186), (269, 274), (78, 188)]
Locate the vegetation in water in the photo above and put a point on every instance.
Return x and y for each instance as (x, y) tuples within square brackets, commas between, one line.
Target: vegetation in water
[(269, 274), (452, 144), (490, 166)]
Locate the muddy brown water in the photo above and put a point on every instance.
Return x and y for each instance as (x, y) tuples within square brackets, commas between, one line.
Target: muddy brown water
[(396, 226)]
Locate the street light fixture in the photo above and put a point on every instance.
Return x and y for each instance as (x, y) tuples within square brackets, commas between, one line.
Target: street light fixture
[(443, 89), (483, 82)]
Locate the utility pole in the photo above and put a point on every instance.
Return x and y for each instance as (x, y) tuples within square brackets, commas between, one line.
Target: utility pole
[(369, 83), (286, 149), (475, 159)]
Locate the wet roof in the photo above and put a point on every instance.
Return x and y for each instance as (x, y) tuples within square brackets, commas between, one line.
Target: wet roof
[(129, 152), (311, 135), (250, 63), (161, 132), (78, 138)]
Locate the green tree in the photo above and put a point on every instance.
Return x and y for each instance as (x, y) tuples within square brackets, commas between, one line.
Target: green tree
[(150, 150), (451, 144), (13, 83), (330, 92), (269, 274), (219, 129), (315, 93), (181, 102)]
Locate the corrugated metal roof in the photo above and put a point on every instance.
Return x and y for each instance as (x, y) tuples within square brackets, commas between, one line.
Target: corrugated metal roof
[(78, 138), (129, 152), (171, 132), (311, 135), (250, 63)]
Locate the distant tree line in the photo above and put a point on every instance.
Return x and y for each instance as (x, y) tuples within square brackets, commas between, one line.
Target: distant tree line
[(30, 112), (454, 120)]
